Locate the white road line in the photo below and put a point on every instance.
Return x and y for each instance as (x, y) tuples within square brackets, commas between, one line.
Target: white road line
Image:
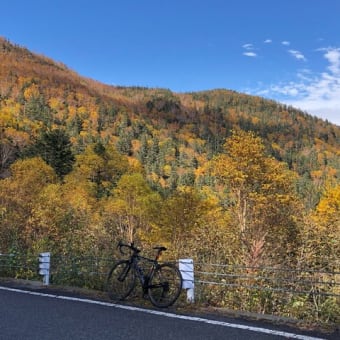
[(168, 315)]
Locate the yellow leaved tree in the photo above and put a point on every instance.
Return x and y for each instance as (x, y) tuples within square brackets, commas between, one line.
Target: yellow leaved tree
[(130, 211), (18, 196), (325, 233), (260, 197)]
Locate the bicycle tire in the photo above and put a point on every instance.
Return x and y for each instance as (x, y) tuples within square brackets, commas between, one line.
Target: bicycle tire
[(121, 281), (165, 285)]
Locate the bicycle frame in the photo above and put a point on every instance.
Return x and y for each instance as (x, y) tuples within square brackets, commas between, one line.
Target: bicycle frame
[(142, 277)]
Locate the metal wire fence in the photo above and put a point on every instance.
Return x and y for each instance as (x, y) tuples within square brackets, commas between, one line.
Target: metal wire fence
[(80, 271), (21, 266), (300, 293), (293, 281), (92, 270)]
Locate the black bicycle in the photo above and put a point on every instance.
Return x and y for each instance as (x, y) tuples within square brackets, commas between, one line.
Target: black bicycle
[(162, 284)]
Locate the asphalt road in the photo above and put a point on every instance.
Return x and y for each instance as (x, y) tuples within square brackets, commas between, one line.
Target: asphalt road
[(33, 315)]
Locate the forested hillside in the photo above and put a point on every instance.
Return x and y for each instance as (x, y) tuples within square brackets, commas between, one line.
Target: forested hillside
[(216, 175)]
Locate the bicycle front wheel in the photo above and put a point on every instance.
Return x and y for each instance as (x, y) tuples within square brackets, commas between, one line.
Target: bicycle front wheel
[(120, 281), (165, 285)]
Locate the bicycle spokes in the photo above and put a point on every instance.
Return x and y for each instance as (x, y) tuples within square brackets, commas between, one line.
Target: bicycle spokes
[(165, 285), (121, 281)]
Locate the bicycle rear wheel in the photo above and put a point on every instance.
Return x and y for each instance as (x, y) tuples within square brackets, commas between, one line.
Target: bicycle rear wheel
[(120, 281), (165, 285)]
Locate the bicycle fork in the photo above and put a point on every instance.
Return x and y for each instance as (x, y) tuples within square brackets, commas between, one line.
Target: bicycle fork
[(124, 273)]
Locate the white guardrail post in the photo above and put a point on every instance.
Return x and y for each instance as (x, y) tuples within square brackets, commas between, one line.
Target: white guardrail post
[(44, 267), (186, 267)]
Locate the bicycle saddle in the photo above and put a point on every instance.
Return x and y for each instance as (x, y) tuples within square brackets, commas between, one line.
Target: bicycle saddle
[(160, 248)]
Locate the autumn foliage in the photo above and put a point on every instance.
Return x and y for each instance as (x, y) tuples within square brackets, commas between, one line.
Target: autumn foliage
[(215, 175)]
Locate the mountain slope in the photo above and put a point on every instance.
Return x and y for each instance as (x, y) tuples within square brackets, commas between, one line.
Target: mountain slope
[(169, 133)]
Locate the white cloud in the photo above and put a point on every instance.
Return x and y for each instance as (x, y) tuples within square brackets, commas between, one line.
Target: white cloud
[(250, 54), (249, 50), (285, 42), (304, 74), (248, 46), (315, 93), (322, 94), (333, 57), (268, 41), (297, 54)]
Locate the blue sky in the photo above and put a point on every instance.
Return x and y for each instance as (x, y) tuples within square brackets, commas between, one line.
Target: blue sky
[(286, 50)]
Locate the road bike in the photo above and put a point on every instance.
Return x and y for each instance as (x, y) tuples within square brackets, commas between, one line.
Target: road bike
[(162, 283)]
